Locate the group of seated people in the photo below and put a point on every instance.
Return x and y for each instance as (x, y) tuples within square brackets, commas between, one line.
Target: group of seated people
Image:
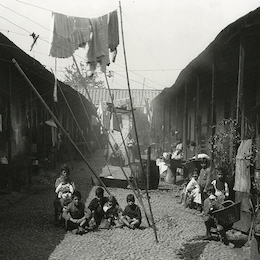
[(102, 212), (207, 192)]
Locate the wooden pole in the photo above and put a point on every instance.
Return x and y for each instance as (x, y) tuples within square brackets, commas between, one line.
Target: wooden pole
[(184, 141), (197, 117), (130, 96), (9, 135), (213, 129), (148, 167), (136, 192), (58, 123), (240, 87)]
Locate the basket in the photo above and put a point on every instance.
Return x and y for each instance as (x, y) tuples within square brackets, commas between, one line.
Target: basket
[(191, 165), (230, 214), (176, 163)]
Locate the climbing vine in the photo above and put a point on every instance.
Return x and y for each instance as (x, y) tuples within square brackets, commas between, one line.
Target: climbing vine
[(224, 145)]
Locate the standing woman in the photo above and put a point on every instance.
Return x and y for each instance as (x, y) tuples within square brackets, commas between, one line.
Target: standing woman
[(205, 178)]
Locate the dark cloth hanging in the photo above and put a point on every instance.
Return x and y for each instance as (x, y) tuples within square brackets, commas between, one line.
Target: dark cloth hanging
[(69, 33)]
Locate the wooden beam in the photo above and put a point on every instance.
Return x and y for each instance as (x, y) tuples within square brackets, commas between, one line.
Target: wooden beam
[(240, 86)]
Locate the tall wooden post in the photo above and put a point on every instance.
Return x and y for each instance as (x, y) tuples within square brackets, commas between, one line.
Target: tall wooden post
[(197, 117), (184, 135), (9, 131), (240, 86), (213, 129)]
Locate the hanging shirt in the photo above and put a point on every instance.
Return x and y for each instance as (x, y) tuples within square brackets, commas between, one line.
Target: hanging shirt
[(68, 34)]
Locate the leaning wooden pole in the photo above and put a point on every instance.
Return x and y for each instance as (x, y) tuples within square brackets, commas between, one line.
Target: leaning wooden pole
[(134, 123), (137, 192), (58, 123)]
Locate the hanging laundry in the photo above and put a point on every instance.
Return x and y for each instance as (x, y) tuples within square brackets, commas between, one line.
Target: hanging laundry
[(148, 110), (94, 121), (113, 35), (98, 46), (106, 120), (116, 122), (68, 34), (242, 176), (55, 96), (123, 103)]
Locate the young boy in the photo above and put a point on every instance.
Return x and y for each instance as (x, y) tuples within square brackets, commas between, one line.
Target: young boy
[(97, 204), (132, 214), (210, 204), (76, 215), (220, 186)]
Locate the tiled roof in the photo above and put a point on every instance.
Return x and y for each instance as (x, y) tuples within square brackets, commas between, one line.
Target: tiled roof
[(138, 95)]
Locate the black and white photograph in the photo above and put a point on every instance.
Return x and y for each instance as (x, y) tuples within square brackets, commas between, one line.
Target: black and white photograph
[(129, 130)]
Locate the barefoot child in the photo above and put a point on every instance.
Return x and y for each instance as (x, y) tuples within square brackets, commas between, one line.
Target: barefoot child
[(97, 204), (132, 214), (113, 213), (76, 215)]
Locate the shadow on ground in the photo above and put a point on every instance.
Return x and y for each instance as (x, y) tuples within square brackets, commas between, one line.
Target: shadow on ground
[(192, 251)]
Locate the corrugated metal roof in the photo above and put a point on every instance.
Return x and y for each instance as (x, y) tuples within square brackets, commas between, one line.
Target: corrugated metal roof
[(138, 95)]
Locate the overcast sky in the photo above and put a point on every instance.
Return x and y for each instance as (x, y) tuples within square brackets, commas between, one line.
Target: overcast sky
[(161, 36)]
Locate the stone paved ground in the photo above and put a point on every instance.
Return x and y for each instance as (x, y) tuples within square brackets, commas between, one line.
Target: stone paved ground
[(27, 230)]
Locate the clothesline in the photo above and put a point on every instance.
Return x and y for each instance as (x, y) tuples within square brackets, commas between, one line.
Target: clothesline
[(97, 35)]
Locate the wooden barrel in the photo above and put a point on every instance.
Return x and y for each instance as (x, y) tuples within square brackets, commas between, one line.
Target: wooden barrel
[(141, 179)]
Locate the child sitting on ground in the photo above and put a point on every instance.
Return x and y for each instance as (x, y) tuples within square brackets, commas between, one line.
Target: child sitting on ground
[(113, 213), (220, 186), (97, 204), (193, 191), (132, 214), (77, 215)]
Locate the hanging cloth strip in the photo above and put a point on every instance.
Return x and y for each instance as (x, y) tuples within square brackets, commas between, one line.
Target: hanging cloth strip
[(69, 33), (242, 176), (113, 35)]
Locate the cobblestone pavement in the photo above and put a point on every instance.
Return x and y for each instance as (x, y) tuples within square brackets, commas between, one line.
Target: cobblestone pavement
[(27, 230)]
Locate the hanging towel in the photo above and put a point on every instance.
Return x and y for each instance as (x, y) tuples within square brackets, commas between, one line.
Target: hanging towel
[(116, 121), (242, 175), (68, 34)]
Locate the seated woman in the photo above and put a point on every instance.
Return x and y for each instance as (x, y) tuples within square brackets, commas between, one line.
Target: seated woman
[(63, 184), (193, 191)]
